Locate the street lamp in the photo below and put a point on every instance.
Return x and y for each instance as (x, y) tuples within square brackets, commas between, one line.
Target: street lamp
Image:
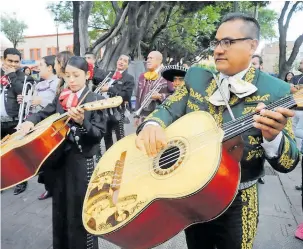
[(57, 26)]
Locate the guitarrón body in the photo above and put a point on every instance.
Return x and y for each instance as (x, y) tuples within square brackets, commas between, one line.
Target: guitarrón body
[(140, 202)]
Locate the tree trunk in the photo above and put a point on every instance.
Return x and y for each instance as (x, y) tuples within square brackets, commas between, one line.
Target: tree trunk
[(76, 11), (235, 6), (284, 64), (140, 17), (114, 50), (83, 26)]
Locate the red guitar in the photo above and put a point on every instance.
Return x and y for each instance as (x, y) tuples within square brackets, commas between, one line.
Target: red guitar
[(23, 156), (138, 202)]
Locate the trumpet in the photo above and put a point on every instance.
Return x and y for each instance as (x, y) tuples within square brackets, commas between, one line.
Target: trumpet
[(27, 93), (148, 98), (107, 80)]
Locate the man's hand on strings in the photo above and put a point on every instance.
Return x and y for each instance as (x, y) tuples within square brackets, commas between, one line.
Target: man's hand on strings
[(271, 123), (151, 140), (77, 114)]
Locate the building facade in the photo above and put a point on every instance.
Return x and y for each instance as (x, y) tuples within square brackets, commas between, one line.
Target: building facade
[(270, 55), (35, 47)]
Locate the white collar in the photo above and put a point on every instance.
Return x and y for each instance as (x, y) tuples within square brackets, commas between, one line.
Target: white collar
[(239, 75), (80, 92)]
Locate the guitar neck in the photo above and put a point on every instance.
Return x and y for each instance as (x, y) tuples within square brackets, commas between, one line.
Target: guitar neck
[(245, 123)]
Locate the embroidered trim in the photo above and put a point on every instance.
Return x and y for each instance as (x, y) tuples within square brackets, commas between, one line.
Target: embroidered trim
[(289, 129), (257, 98), (177, 96), (255, 153), (249, 216), (254, 140), (196, 95), (249, 109), (192, 106), (162, 124), (285, 160)]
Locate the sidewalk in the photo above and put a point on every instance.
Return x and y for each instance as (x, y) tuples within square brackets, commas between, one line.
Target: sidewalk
[(26, 221)]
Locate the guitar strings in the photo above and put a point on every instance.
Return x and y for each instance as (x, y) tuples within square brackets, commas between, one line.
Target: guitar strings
[(228, 132), (286, 105)]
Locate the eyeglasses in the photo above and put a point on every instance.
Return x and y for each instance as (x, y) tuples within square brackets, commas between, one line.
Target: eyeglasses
[(226, 43)]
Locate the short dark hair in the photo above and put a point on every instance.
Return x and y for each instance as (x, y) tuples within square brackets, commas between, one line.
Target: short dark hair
[(252, 26), (78, 62), (90, 53), (50, 61), (259, 57), (62, 58), (129, 59), (186, 62), (12, 51), (26, 67)]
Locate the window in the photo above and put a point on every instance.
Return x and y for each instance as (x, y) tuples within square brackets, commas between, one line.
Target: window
[(35, 54), (52, 51)]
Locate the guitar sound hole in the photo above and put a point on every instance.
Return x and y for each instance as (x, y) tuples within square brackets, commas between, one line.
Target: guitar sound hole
[(169, 157)]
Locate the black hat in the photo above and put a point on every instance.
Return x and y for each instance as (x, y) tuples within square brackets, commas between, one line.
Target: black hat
[(169, 72)]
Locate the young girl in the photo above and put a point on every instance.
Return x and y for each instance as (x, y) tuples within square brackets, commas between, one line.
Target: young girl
[(76, 163)]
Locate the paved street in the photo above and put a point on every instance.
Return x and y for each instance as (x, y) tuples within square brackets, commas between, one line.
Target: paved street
[(26, 221)]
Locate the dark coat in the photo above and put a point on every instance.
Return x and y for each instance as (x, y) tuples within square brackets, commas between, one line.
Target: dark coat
[(15, 88)]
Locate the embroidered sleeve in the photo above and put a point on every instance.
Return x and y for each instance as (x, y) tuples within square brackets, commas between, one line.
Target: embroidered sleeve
[(170, 110), (288, 154)]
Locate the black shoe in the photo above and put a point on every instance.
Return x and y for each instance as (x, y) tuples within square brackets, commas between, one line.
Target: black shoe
[(20, 188), (45, 195), (261, 180), (298, 187)]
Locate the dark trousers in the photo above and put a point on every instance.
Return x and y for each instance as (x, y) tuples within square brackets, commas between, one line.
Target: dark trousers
[(235, 229), (70, 184), (8, 128), (118, 127)]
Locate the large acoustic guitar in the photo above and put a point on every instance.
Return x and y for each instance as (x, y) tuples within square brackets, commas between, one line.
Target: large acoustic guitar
[(138, 202), (23, 156)]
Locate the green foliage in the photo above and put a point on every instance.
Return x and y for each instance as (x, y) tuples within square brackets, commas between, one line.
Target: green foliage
[(210, 67), (189, 30), (13, 29), (64, 12)]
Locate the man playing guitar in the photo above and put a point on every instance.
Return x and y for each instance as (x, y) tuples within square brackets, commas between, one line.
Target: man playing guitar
[(236, 41)]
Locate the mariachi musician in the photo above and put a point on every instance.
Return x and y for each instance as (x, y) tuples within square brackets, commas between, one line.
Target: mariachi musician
[(174, 74), (121, 84), (73, 169), (151, 83), (237, 89), (12, 81)]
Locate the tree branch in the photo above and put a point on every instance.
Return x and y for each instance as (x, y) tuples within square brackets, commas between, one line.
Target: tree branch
[(115, 6), (112, 33), (113, 30), (295, 50), (293, 8)]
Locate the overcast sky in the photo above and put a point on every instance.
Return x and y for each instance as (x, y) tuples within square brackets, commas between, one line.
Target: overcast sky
[(40, 20)]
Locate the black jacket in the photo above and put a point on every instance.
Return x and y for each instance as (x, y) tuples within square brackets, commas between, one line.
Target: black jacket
[(123, 87), (297, 80), (90, 133), (15, 88)]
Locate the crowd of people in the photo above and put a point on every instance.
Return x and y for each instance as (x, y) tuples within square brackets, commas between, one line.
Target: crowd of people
[(65, 80)]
